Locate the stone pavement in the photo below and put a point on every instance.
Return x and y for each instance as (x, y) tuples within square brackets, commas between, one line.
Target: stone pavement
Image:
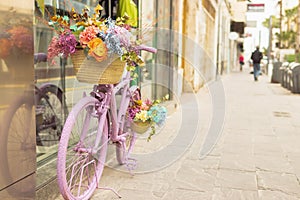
[(256, 157)]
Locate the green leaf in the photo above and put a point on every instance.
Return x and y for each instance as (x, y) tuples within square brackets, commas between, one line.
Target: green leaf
[(66, 18), (73, 28), (81, 28)]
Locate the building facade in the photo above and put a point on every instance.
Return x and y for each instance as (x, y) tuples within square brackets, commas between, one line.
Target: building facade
[(192, 38)]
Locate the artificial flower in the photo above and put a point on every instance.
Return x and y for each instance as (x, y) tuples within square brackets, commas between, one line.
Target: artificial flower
[(64, 44), (88, 34), (145, 105), (142, 115), (97, 49), (123, 35), (99, 37), (147, 111), (53, 49), (98, 8), (158, 114)]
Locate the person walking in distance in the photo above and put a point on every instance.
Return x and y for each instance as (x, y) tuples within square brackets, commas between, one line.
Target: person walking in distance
[(241, 60), (256, 58)]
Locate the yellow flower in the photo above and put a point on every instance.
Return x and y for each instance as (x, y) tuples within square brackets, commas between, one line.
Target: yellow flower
[(142, 115), (98, 49), (98, 8), (81, 23), (139, 102), (102, 27)]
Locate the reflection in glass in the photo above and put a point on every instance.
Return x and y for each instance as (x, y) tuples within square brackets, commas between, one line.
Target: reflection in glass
[(17, 133)]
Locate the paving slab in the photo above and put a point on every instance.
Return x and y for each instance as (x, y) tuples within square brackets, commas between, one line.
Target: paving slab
[(282, 182), (234, 194), (236, 179)]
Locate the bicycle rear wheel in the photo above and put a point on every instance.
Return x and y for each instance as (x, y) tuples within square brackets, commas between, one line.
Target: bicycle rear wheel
[(80, 163), (124, 149), (49, 115)]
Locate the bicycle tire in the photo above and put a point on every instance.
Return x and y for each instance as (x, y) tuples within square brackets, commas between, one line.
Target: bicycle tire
[(124, 149), (69, 141), (18, 147), (49, 124)]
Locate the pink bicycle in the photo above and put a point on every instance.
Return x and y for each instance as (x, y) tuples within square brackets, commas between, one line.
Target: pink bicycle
[(93, 122)]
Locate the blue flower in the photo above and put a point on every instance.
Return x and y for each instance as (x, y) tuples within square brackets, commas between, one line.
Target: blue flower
[(113, 44), (158, 114)]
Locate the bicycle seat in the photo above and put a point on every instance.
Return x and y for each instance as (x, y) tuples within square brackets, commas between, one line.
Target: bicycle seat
[(40, 57)]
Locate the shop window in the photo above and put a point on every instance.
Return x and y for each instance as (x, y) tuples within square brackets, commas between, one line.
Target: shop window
[(58, 82)]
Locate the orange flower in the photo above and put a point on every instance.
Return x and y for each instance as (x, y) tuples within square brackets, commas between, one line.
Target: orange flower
[(88, 35), (97, 49)]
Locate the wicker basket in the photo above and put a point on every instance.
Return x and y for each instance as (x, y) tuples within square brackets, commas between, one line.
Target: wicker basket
[(140, 127), (88, 70)]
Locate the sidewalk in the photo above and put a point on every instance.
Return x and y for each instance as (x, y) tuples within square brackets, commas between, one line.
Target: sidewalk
[(256, 157)]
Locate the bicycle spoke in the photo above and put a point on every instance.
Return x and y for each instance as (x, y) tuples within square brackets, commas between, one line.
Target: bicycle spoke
[(49, 116), (83, 164)]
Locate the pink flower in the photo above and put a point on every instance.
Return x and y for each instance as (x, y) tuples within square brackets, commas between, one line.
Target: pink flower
[(123, 34), (67, 43), (126, 26), (88, 34), (63, 44), (146, 104), (53, 49)]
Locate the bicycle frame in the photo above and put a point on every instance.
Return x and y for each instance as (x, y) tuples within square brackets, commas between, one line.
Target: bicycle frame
[(109, 101), (108, 105), (119, 117)]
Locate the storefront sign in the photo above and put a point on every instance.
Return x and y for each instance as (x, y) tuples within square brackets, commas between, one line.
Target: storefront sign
[(258, 7)]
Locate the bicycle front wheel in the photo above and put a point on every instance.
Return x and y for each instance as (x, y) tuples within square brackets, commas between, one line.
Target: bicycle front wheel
[(80, 163)]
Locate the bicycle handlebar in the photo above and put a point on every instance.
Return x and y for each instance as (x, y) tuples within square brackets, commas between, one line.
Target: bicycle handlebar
[(146, 48)]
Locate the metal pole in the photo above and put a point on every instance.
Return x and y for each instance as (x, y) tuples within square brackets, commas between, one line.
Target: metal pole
[(280, 25), (154, 69), (259, 37), (170, 61), (109, 8), (270, 44), (298, 34), (218, 38)]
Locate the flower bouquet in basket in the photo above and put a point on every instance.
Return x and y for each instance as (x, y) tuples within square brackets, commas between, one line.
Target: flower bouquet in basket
[(16, 45), (146, 114), (90, 39)]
